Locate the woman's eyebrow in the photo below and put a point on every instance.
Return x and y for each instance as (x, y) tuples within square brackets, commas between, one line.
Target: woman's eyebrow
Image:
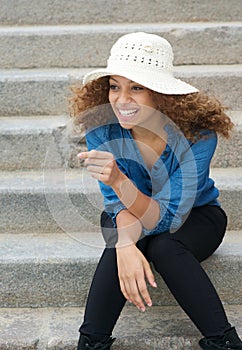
[(130, 81)]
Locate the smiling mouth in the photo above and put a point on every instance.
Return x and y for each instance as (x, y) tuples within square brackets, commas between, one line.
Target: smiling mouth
[(127, 113)]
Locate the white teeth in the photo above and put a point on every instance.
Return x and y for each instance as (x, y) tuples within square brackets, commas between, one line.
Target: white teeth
[(127, 112)]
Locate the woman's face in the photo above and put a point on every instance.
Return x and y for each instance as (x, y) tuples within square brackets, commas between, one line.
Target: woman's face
[(132, 103)]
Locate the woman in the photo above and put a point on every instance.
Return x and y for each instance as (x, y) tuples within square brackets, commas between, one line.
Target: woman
[(150, 141)]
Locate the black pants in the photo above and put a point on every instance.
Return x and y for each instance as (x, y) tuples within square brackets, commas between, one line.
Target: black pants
[(177, 259)]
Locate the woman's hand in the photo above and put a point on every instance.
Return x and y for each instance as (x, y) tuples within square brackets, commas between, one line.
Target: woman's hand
[(133, 268), (102, 166)]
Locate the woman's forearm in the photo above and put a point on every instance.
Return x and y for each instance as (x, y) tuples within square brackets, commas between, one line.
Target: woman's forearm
[(103, 167), (145, 208), (129, 229)]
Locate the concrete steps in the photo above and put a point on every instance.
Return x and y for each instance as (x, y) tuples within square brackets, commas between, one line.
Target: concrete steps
[(65, 46), (46, 270), (165, 327), (26, 92), (53, 145), (69, 200), (19, 135), (50, 238), (48, 12)]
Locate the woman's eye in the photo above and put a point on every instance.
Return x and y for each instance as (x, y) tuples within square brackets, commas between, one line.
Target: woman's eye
[(137, 88), (113, 87)]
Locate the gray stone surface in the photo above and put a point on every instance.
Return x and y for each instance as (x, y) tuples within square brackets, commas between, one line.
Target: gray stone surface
[(34, 92), (49, 219), (25, 142), (214, 80), (57, 328), (89, 46), (229, 152), (39, 271), (117, 11), (56, 200), (49, 201), (229, 181), (46, 92), (56, 270), (28, 142)]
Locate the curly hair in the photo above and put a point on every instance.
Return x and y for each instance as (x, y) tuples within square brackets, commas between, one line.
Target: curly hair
[(89, 106)]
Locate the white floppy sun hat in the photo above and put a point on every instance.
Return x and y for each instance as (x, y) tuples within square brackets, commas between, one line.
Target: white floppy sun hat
[(146, 59)]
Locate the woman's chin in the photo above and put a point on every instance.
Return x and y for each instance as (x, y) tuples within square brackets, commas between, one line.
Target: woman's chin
[(126, 125)]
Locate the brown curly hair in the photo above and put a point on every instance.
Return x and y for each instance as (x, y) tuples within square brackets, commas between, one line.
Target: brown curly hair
[(191, 112)]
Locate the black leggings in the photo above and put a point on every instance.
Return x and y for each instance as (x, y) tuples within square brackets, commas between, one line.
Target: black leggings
[(176, 257)]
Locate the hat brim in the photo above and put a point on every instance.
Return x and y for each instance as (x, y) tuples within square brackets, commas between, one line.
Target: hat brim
[(164, 83)]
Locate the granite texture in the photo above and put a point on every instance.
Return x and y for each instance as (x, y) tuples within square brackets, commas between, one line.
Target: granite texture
[(57, 329), (51, 142), (26, 141), (69, 200), (50, 12), (229, 151), (46, 91), (66, 46), (49, 215), (57, 269)]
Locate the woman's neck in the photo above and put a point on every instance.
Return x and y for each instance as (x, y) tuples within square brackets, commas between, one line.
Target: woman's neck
[(147, 135)]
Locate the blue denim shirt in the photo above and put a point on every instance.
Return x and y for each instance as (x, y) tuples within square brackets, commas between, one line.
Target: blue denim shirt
[(178, 181)]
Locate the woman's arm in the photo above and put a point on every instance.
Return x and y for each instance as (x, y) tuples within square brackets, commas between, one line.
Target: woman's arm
[(133, 267), (103, 167)]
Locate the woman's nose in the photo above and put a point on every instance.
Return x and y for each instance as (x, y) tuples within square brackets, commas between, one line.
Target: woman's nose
[(124, 97)]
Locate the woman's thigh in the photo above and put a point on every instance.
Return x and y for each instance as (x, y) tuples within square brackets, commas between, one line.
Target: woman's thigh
[(202, 232)]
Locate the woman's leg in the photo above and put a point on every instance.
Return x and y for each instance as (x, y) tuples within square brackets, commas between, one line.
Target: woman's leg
[(105, 300), (176, 257)]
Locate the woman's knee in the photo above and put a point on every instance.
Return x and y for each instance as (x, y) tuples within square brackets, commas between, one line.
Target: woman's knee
[(164, 248)]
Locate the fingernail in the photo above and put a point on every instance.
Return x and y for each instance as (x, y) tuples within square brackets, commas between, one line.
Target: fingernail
[(149, 304), (80, 155), (154, 284), (142, 309)]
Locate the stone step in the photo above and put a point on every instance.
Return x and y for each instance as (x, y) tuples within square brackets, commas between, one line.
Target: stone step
[(57, 328), (46, 91), (229, 152), (46, 270), (57, 200), (89, 46), (117, 11), (26, 142)]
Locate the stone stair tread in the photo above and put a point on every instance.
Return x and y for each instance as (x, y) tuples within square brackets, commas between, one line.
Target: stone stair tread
[(54, 134), (38, 180), (45, 91), (45, 73), (59, 269), (165, 327), (33, 180), (85, 246), (31, 124), (49, 12), (227, 177), (51, 247), (113, 27), (69, 200), (23, 123)]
